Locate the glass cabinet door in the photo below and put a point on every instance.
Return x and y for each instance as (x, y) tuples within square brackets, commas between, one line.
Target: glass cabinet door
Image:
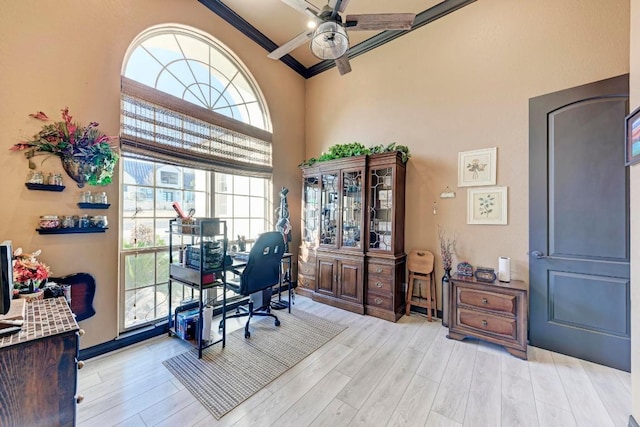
[(329, 209), (381, 210), (310, 210), (352, 209)]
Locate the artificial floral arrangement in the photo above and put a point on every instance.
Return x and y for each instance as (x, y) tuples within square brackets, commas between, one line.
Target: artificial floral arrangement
[(29, 274), (340, 151), (85, 152), (447, 248)]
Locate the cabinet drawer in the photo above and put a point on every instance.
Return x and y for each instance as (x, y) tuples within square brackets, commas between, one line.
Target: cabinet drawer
[(504, 327), (306, 268), (488, 300), (380, 269), (380, 285), (381, 301), (306, 282)]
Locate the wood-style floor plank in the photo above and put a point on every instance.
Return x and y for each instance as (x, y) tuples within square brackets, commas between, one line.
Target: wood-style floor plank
[(483, 407), (452, 396), (585, 403), (374, 373), (335, 414)]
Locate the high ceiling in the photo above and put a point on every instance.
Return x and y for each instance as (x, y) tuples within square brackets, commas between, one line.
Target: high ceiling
[(279, 22)]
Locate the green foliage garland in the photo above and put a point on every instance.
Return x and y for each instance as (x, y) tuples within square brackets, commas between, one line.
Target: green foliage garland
[(340, 151)]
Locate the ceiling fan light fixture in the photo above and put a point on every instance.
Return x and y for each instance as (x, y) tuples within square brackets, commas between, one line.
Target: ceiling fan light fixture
[(329, 41)]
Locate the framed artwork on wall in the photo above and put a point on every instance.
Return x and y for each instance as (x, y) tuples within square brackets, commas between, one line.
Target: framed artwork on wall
[(477, 167), (632, 138), (487, 205)]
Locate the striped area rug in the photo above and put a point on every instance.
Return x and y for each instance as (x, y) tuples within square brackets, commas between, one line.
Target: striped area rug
[(224, 378)]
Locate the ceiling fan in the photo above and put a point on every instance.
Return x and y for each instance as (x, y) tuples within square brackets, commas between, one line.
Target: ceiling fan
[(329, 39)]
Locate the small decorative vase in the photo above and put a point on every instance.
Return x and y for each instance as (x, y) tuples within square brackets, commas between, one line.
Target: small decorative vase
[(445, 296)]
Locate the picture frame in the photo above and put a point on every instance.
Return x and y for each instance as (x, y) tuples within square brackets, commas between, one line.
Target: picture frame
[(632, 138), (487, 205), (477, 167)]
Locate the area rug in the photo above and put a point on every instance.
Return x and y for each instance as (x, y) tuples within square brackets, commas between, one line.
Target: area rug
[(224, 378)]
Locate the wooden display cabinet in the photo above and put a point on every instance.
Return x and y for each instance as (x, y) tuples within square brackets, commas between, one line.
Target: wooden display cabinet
[(352, 226)]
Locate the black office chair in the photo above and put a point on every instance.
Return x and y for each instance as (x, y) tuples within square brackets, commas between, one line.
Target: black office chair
[(258, 276)]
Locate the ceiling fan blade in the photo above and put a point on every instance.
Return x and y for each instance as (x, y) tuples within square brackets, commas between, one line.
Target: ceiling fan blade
[(380, 21), (341, 8), (302, 6), (343, 64), (291, 44)]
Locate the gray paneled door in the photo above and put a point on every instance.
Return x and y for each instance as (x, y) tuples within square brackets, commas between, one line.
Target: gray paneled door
[(579, 223)]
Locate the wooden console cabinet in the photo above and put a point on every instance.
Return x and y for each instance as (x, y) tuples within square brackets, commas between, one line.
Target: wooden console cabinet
[(494, 312), (352, 253), (38, 368)]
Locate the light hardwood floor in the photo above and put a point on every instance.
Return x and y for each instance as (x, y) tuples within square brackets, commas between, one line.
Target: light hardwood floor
[(375, 373)]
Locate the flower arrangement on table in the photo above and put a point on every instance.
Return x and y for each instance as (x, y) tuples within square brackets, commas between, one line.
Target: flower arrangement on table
[(29, 274), (85, 152)]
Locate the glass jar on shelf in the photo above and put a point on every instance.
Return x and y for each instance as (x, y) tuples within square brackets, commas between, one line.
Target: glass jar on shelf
[(68, 222), (35, 177), (86, 197), (100, 198), (99, 221), (49, 221), (84, 222)]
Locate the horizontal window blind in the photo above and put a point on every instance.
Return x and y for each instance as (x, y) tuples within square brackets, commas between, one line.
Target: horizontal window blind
[(162, 127)]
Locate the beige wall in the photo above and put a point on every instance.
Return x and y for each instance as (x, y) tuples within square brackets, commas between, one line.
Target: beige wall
[(463, 83), (635, 218), (69, 53)]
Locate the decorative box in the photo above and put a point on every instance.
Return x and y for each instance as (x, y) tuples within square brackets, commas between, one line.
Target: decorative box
[(186, 324), (465, 269), (485, 274)]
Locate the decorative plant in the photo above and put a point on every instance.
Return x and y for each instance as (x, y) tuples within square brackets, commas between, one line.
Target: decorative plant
[(447, 248), (28, 272), (85, 152), (340, 151)]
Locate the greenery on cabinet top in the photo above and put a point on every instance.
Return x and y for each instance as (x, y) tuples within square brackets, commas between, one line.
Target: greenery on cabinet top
[(340, 151)]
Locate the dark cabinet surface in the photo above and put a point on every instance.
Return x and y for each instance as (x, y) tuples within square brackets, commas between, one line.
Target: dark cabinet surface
[(39, 367)]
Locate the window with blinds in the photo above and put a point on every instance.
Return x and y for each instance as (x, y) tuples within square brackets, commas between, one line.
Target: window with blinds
[(194, 130)]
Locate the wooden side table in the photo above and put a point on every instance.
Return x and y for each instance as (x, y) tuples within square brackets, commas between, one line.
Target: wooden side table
[(494, 312)]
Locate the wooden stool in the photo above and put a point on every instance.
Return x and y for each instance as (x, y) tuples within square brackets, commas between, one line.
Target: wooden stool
[(420, 266)]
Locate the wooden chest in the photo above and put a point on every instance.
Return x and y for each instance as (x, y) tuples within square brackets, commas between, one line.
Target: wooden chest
[(494, 312)]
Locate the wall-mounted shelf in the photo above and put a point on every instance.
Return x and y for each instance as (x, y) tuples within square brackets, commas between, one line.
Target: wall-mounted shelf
[(70, 230), (44, 187), (94, 205)]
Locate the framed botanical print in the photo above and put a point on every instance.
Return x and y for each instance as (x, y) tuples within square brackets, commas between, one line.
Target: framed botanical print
[(487, 205), (477, 167)]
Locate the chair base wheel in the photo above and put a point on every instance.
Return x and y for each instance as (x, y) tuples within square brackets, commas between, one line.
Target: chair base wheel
[(247, 334), (277, 322)]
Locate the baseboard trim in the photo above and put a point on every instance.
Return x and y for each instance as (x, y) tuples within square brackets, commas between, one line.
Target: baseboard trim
[(633, 422), (422, 310)]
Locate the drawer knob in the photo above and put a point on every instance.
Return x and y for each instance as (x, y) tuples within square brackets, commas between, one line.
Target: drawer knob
[(81, 332), (79, 399), (378, 284), (378, 301), (484, 301), (306, 270), (378, 270), (80, 364), (484, 323)]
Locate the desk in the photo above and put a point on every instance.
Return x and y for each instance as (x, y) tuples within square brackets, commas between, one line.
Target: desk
[(286, 260)]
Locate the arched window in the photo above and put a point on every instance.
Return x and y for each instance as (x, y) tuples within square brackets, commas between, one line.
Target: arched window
[(195, 130)]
